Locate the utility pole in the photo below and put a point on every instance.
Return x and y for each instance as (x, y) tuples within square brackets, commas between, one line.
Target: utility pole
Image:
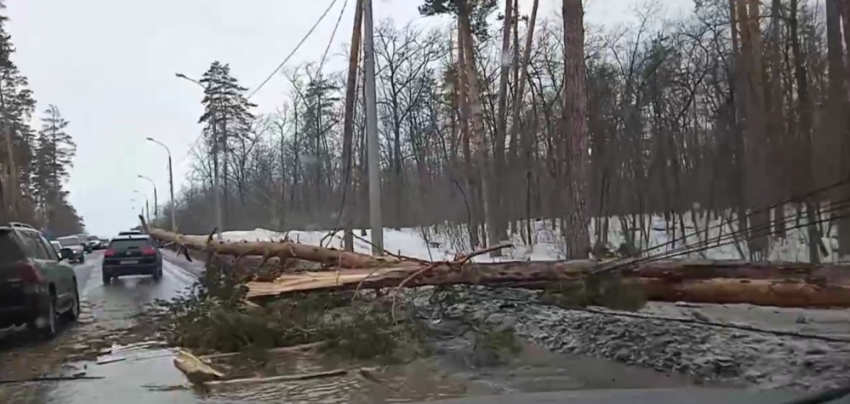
[(373, 148), (170, 184), (148, 210)]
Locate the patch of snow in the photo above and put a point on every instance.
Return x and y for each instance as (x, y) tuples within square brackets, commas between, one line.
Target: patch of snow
[(652, 234)]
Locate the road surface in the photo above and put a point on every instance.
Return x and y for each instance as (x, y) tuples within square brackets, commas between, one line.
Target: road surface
[(106, 311), (109, 310)]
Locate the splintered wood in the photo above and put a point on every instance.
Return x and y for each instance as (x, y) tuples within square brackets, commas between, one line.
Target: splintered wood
[(699, 281)]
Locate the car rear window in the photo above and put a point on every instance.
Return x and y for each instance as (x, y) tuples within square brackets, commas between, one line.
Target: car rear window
[(9, 249), (127, 244), (68, 242)]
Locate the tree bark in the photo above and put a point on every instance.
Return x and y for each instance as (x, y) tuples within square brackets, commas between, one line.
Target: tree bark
[(574, 130), (463, 117), (282, 250), (496, 204), (837, 107), (476, 115), (546, 275), (348, 128)]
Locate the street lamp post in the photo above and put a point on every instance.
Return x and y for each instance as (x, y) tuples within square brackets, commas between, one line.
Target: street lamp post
[(155, 200), (170, 183), (216, 188)]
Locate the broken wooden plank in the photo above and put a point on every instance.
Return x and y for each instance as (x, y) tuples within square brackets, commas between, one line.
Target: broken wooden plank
[(195, 369)]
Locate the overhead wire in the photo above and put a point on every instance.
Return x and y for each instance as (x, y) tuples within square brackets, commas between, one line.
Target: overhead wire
[(732, 237), (754, 212), (304, 39), (279, 66)]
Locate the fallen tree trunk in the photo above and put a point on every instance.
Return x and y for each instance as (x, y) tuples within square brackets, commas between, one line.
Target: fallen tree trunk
[(699, 281), (673, 270), (438, 274), (282, 250), (779, 293)]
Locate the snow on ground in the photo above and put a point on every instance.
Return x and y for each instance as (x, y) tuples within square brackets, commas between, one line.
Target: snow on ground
[(754, 359), (654, 236)]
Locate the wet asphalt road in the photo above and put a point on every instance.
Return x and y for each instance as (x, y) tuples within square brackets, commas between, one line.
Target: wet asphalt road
[(110, 308), (105, 309), (115, 304)]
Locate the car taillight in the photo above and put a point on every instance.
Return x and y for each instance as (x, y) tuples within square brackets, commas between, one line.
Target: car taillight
[(108, 253), (148, 251), (29, 272)]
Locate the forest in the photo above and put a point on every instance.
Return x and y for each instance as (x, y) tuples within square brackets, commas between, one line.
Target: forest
[(35, 161), (738, 112)]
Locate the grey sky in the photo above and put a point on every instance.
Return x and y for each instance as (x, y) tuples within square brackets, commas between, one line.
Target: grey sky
[(109, 66)]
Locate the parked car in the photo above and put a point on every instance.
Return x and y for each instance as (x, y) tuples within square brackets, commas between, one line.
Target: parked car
[(129, 233), (134, 254), (36, 287), (72, 248)]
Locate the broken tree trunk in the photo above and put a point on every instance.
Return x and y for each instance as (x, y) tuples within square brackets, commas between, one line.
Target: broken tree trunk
[(703, 281), (544, 275), (673, 270), (282, 250), (777, 293)]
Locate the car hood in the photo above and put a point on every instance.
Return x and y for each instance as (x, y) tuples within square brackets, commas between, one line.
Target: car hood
[(74, 247)]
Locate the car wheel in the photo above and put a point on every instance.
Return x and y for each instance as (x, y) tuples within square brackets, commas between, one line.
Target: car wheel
[(106, 278), (48, 330), (157, 274), (74, 311)]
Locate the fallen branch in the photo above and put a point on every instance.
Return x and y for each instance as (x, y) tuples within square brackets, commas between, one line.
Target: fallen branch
[(289, 349), (460, 260), (283, 378)]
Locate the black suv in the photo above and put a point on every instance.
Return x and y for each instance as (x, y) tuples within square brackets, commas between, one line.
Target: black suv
[(35, 287), (134, 254)]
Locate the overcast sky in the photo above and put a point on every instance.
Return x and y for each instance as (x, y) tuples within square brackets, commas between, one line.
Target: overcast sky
[(109, 66)]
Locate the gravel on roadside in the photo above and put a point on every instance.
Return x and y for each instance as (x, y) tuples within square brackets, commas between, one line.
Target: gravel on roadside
[(736, 357)]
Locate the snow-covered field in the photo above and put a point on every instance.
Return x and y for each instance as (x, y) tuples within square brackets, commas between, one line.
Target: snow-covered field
[(749, 358), (443, 241)]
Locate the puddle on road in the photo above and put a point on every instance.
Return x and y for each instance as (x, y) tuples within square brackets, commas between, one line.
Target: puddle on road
[(439, 377)]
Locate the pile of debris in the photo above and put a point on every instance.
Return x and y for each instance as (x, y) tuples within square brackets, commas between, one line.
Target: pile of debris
[(276, 268)]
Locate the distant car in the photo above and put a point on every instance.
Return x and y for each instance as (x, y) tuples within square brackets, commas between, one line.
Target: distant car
[(93, 243), (35, 286), (72, 248), (129, 233), (133, 254)]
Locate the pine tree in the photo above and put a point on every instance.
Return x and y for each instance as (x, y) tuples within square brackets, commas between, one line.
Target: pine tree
[(16, 107), (480, 11), (227, 116), (55, 150)]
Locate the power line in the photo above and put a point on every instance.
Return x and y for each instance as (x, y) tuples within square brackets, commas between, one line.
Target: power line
[(333, 35), (280, 66), (304, 39)]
